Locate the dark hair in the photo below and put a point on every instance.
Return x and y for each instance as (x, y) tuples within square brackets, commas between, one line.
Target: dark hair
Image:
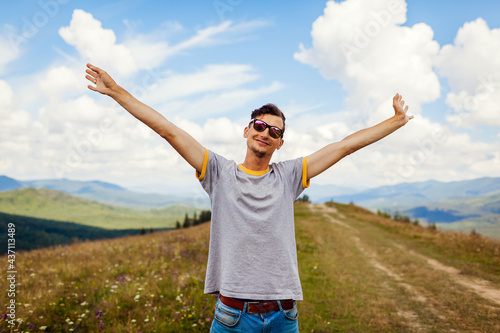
[(269, 109)]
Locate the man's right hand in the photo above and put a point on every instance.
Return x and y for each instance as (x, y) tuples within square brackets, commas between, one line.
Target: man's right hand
[(104, 84)]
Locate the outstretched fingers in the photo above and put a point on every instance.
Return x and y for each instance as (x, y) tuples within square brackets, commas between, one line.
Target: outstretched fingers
[(399, 106)]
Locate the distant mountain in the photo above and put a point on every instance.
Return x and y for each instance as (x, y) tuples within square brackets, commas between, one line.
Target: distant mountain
[(409, 195), (9, 184), (73, 186), (106, 193), (461, 205), (318, 193)]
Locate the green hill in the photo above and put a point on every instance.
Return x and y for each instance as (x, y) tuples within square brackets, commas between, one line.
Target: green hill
[(59, 206), (360, 272), (33, 233)]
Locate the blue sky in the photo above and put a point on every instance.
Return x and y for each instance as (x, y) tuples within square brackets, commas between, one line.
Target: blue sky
[(332, 67)]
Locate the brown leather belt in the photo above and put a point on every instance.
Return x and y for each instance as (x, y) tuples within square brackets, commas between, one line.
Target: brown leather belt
[(257, 307)]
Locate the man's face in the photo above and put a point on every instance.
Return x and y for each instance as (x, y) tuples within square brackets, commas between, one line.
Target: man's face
[(261, 143)]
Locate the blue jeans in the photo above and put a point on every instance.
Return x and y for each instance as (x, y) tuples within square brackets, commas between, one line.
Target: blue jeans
[(227, 319)]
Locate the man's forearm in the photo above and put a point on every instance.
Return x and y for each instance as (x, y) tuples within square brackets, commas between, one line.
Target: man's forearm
[(372, 134)]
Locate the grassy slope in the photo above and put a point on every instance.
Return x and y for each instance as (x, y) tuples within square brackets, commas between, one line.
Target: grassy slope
[(154, 283), (59, 206)]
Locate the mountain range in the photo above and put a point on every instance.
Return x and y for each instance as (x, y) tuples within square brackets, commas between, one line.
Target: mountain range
[(106, 192)]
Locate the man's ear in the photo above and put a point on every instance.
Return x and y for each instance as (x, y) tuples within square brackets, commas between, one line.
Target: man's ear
[(281, 144), (245, 132)]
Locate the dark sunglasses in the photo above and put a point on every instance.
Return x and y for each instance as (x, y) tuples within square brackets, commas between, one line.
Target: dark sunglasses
[(260, 126)]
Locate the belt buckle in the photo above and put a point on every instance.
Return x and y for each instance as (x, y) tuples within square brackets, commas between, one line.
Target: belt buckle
[(257, 304), (262, 307)]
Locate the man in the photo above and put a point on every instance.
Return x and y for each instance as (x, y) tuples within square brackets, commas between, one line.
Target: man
[(252, 262)]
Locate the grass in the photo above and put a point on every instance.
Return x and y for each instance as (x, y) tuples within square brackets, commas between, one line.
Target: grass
[(154, 282)]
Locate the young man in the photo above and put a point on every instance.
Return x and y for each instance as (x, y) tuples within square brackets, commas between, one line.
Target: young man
[(252, 262)]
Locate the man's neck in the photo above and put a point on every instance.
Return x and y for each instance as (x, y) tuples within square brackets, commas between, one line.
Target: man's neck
[(255, 163)]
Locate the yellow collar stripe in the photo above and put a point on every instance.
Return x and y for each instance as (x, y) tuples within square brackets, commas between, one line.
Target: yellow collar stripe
[(252, 172)]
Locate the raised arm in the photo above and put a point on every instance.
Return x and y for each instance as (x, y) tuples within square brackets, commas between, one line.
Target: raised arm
[(192, 151), (334, 152)]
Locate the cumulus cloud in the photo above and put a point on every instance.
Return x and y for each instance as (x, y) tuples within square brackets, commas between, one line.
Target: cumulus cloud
[(97, 44), (363, 45), (473, 74), (57, 81), (6, 98)]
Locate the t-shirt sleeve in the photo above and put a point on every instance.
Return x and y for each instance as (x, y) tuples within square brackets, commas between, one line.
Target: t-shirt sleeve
[(210, 171), (295, 174)]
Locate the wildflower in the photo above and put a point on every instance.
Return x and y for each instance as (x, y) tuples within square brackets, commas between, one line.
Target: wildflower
[(133, 320), (42, 328), (101, 324), (84, 303), (98, 314)]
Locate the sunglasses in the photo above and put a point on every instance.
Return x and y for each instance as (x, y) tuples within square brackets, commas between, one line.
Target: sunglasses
[(260, 126)]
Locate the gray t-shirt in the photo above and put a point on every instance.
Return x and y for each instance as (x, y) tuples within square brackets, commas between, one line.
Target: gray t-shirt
[(252, 251)]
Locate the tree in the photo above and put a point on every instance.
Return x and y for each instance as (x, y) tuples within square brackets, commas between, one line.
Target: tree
[(304, 198), (187, 223)]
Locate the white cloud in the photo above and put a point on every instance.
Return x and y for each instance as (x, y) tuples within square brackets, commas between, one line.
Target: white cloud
[(142, 51), (473, 74), (224, 33), (363, 45), (59, 80), (211, 78), (97, 44), (6, 99)]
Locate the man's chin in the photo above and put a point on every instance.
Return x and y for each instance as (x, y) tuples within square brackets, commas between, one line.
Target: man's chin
[(258, 153)]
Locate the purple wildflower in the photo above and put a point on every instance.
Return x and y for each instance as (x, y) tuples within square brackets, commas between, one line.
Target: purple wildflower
[(98, 314)]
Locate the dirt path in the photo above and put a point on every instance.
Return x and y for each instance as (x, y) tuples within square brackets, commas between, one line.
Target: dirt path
[(481, 287), (410, 317), (417, 291)]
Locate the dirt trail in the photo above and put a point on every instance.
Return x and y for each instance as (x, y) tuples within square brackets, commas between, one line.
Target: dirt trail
[(481, 287), (330, 210), (431, 307), (410, 317)]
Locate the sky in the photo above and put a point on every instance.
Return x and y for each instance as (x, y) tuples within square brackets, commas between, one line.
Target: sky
[(331, 66)]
